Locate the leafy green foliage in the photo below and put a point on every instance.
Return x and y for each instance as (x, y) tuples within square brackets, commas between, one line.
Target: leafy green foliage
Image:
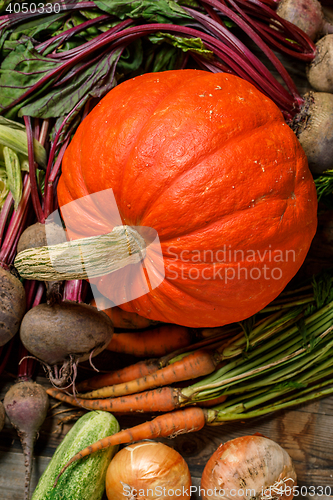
[(322, 289), (55, 90), (3, 5), (154, 11), (94, 80), (183, 43), (324, 186), (22, 68)]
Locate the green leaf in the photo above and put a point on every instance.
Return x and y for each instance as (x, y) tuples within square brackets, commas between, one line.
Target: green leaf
[(165, 59), (3, 5), (322, 289), (12, 124), (20, 70), (41, 180), (94, 81), (190, 3), (91, 14), (37, 27), (15, 137), (183, 43), (4, 189), (14, 175), (154, 11), (324, 186), (131, 58)]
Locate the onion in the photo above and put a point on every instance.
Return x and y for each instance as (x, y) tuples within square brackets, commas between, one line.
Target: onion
[(248, 467), (148, 470)]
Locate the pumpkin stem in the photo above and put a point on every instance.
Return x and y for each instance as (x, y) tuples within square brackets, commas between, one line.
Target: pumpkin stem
[(83, 258)]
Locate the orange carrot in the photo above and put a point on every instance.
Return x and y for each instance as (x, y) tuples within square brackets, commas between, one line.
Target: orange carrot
[(162, 399), (125, 374), (151, 343), (213, 402), (123, 319), (196, 364), (190, 419), (142, 368)]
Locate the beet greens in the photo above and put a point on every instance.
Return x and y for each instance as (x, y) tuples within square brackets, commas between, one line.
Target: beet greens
[(96, 63), (56, 67)]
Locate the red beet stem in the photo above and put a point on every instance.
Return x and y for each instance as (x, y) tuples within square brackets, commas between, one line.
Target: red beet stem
[(32, 172), (49, 194), (123, 34), (64, 36), (277, 31), (5, 213), (16, 224), (72, 290), (241, 20)]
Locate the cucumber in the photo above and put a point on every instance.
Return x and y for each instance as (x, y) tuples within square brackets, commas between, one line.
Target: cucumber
[(84, 479)]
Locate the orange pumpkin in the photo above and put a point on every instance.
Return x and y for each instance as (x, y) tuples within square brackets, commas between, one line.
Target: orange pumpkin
[(208, 162)]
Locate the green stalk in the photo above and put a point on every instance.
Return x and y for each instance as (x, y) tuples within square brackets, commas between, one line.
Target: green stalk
[(241, 403), (267, 356), (292, 369), (287, 305), (237, 407), (247, 392), (276, 406), (266, 328)]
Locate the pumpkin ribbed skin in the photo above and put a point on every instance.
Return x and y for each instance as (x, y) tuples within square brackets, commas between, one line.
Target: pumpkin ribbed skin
[(209, 163)]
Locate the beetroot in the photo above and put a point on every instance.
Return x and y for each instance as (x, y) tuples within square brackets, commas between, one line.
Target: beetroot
[(12, 305), (64, 334), (313, 127), (308, 15), (320, 70), (34, 236), (26, 404)]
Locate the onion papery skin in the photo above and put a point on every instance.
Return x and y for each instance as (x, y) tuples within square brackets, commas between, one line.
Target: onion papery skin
[(148, 470), (209, 163), (245, 467)]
